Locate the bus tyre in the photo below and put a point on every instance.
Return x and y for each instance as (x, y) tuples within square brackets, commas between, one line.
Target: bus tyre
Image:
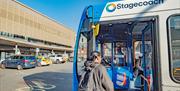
[(19, 67), (63, 61), (57, 61), (3, 66)]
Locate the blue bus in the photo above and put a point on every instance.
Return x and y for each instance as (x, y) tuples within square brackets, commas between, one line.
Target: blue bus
[(138, 40)]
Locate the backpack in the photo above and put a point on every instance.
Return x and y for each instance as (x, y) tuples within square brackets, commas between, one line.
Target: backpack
[(86, 82)]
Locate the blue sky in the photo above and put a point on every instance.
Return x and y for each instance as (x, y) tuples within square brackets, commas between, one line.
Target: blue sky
[(66, 12)]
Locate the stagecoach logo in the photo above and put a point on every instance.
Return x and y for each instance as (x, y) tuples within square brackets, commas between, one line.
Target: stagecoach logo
[(112, 7)]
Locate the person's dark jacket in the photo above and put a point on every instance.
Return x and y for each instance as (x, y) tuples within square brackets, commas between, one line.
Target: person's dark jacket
[(100, 79)]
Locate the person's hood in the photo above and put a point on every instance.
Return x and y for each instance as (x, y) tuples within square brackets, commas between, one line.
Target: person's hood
[(89, 65)]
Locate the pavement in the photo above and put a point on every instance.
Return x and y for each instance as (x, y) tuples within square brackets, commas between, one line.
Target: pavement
[(56, 77)]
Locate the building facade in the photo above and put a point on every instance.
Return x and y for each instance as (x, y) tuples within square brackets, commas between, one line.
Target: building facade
[(24, 27)]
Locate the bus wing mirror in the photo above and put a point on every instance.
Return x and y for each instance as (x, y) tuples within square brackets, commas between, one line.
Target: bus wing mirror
[(89, 12)]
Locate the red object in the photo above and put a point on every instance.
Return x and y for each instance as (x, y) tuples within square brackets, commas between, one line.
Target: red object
[(124, 81), (25, 61), (149, 79)]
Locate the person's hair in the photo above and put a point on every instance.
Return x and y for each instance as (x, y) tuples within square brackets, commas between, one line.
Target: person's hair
[(94, 55)]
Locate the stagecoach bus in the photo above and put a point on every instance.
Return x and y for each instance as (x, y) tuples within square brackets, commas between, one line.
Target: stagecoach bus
[(139, 41)]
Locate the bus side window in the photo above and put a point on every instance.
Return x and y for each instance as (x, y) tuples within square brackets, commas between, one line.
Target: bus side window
[(174, 44)]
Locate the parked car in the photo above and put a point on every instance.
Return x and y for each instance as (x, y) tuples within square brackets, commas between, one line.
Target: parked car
[(1, 60), (42, 61), (70, 59), (65, 57), (56, 59), (19, 61)]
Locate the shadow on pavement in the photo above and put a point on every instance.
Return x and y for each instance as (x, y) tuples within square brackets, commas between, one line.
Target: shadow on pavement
[(49, 81)]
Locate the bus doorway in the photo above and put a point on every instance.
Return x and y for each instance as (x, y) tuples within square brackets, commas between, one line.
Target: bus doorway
[(127, 48), (128, 51)]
